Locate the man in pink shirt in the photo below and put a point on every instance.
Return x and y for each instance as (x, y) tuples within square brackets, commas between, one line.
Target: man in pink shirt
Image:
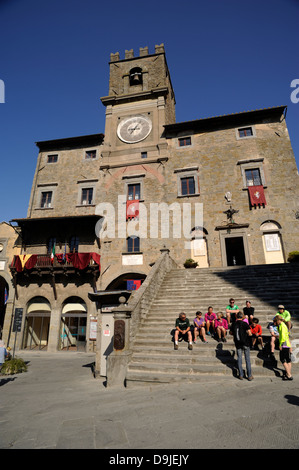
[(210, 318)]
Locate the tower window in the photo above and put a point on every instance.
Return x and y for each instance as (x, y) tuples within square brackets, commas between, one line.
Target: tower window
[(52, 159), (133, 192), (184, 141), (245, 132), (90, 154), (136, 76), (87, 196), (187, 186), (133, 244), (46, 200), (253, 177)]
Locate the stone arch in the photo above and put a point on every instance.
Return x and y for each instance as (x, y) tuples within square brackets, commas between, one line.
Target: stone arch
[(120, 282), (37, 323), (73, 324)]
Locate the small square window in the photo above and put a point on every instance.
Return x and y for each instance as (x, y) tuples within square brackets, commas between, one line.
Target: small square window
[(87, 195), (184, 141), (245, 132), (90, 154), (46, 200), (133, 192), (143, 154), (52, 158), (187, 186)]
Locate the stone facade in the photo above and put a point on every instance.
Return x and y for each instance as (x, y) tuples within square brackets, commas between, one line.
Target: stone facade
[(8, 240), (206, 164)]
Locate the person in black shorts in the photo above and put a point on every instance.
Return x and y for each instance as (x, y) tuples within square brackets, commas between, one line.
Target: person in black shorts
[(248, 311), (182, 330)]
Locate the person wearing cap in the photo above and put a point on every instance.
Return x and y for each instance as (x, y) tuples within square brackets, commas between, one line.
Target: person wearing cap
[(286, 316), (284, 347)]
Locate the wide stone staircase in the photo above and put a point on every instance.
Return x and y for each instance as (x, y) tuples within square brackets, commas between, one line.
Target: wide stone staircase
[(154, 359)]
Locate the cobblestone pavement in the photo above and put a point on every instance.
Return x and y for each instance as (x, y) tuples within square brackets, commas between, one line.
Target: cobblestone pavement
[(58, 404)]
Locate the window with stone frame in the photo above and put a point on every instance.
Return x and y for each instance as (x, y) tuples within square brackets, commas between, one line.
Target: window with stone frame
[(133, 191), (46, 199), (187, 186), (245, 132), (184, 141), (87, 196), (253, 177), (252, 172), (90, 154), (133, 244), (52, 158)]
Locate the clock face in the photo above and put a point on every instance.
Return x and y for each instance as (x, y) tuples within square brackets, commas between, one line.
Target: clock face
[(134, 129)]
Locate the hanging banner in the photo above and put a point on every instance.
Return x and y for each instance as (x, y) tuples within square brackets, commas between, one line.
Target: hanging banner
[(132, 209), (257, 195), (133, 284)]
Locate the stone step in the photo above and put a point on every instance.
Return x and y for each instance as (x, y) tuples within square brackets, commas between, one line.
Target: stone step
[(195, 363), (202, 374), (154, 359)]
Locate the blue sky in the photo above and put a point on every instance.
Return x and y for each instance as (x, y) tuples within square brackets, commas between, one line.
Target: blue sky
[(224, 57)]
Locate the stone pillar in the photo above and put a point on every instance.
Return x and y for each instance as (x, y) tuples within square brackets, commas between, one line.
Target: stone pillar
[(118, 360), (54, 330)]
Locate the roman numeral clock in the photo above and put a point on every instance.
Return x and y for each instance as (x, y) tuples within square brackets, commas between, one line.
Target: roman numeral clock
[(134, 129)]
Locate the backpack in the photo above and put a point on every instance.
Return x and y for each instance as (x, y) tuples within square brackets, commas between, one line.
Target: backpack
[(240, 333)]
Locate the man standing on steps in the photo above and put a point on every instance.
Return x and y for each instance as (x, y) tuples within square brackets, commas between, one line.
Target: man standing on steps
[(241, 332), (182, 330)]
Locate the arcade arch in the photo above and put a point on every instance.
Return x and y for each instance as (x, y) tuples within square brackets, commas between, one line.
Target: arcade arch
[(37, 324), (72, 336)]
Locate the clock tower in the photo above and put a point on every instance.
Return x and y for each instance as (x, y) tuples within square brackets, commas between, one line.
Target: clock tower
[(140, 102)]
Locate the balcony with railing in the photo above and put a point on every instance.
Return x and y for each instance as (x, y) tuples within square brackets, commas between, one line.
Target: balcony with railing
[(58, 263)]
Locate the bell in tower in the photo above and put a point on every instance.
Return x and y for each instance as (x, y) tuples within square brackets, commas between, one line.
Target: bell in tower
[(136, 76)]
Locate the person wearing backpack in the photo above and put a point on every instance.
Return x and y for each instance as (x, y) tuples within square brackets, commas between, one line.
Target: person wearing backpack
[(241, 333)]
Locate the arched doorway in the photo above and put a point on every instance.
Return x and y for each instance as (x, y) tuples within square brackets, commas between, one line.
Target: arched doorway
[(121, 282), (73, 325), (199, 249), (37, 323), (4, 292), (272, 242)]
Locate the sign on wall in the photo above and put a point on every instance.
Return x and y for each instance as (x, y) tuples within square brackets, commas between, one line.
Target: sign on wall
[(272, 242)]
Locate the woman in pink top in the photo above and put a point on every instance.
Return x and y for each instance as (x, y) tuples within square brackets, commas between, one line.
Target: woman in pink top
[(210, 318), (221, 327)]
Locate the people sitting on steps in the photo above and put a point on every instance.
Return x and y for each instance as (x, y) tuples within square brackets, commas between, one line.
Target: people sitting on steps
[(199, 327), (221, 327), (182, 331), (279, 330), (210, 318), (231, 311)]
